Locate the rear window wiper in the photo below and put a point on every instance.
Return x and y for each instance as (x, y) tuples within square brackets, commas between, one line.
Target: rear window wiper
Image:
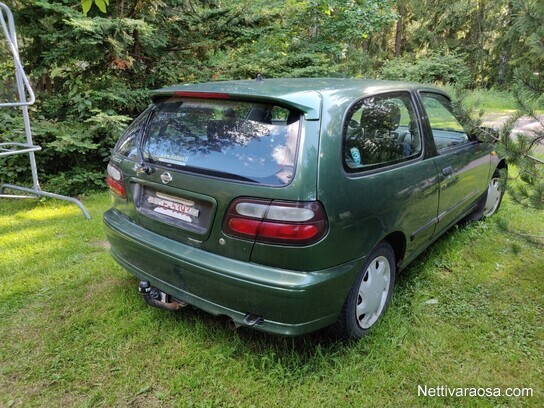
[(142, 167), (222, 174), (230, 176), (211, 172)]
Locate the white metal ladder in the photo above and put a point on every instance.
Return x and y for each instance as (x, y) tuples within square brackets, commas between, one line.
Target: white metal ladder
[(11, 148)]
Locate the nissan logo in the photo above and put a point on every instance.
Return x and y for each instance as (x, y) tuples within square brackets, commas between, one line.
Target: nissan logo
[(166, 178)]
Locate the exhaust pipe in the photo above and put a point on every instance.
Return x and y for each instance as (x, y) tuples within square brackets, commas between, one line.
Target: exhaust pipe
[(250, 319), (154, 297), (233, 325)]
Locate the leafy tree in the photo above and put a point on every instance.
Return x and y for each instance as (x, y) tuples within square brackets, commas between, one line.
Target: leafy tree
[(467, 28), (93, 62), (526, 184), (295, 38), (435, 68), (88, 72)]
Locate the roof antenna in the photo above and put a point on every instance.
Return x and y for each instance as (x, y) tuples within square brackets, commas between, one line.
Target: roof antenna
[(259, 78)]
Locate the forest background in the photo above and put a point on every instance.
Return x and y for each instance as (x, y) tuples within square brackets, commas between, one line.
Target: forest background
[(93, 63)]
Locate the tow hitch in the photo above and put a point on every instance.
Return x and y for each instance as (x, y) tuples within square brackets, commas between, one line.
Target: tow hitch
[(156, 298)]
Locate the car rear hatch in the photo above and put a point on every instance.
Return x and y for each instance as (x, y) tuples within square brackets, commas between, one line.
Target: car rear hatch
[(192, 154)]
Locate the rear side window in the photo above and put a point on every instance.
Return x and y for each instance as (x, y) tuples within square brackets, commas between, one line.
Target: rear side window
[(253, 142), (380, 131)]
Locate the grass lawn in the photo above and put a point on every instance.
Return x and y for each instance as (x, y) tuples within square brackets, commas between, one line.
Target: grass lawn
[(493, 100), (74, 331)]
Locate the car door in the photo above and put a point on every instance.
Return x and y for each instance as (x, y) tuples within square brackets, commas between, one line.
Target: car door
[(462, 163), (386, 184)]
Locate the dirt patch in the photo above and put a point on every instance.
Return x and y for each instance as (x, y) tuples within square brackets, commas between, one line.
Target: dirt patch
[(101, 244), (523, 125)]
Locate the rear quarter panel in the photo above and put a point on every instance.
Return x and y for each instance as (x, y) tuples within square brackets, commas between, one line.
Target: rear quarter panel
[(364, 208)]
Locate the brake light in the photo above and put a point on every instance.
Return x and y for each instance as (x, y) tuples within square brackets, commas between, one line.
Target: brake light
[(204, 95), (277, 222), (115, 181)]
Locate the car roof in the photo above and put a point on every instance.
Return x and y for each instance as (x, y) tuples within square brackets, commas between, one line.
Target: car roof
[(302, 93)]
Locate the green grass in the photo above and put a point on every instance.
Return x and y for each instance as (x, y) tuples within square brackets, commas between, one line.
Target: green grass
[(74, 331), (493, 100)]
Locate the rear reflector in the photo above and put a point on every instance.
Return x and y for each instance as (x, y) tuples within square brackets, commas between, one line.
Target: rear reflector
[(278, 222)]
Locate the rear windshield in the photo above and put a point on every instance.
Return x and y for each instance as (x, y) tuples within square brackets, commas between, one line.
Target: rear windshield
[(245, 141)]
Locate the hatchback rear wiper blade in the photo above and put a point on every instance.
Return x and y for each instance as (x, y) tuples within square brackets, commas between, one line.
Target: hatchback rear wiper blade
[(142, 167), (217, 173)]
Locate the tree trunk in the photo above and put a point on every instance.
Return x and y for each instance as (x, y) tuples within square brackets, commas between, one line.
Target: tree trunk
[(364, 53), (398, 36), (505, 54), (503, 61), (481, 28), (314, 24), (385, 34)]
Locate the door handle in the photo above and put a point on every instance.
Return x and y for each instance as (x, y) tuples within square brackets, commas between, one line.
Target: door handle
[(447, 171)]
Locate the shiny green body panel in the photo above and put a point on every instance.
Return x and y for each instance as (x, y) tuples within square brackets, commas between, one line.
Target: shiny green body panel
[(298, 289), (290, 302)]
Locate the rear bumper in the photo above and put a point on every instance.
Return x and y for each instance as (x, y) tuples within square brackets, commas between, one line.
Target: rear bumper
[(290, 302)]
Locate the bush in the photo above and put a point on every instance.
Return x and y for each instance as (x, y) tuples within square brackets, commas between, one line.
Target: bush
[(437, 69), (76, 182), (73, 156)]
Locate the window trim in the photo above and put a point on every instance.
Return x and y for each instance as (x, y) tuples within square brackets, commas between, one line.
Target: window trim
[(372, 169), (429, 130)]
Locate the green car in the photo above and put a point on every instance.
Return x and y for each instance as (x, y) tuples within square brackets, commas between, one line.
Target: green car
[(289, 205)]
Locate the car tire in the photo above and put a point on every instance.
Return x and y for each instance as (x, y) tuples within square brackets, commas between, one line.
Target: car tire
[(369, 296), (491, 200)]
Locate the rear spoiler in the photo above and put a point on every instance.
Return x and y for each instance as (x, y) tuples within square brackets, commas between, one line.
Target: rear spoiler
[(309, 103)]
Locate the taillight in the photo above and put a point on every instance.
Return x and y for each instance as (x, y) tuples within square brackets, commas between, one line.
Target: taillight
[(277, 222), (115, 181)]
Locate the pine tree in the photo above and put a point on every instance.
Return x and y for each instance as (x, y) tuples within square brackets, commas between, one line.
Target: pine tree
[(520, 150)]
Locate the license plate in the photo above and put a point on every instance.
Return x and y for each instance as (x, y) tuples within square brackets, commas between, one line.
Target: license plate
[(174, 207)]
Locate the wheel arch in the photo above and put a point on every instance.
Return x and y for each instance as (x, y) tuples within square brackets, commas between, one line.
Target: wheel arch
[(397, 240), (502, 165), (501, 170)]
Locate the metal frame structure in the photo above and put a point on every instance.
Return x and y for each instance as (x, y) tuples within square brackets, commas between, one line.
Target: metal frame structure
[(12, 148)]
